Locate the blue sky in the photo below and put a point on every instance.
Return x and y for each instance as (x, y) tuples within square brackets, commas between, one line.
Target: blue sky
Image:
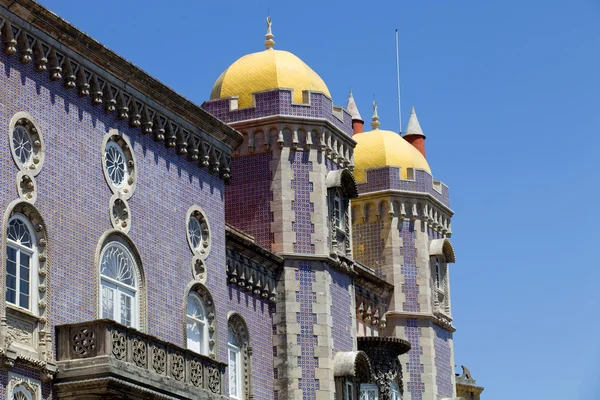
[(507, 94)]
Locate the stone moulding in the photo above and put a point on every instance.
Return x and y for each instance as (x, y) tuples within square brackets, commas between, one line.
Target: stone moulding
[(65, 53), (116, 354)]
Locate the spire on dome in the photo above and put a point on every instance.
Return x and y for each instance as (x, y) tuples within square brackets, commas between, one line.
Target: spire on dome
[(352, 108), (413, 127), (269, 43), (375, 118)]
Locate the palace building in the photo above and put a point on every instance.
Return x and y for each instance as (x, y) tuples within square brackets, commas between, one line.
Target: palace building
[(264, 245)]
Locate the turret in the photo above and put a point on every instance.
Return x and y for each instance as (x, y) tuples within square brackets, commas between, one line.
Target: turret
[(414, 134), (357, 121)]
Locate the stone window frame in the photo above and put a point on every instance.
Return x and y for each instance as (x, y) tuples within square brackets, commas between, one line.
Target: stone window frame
[(201, 251), (27, 332), (441, 253), (237, 325), (126, 190), (20, 383), (108, 237), (121, 287), (33, 254), (34, 165), (341, 187), (204, 322), (209, 306)]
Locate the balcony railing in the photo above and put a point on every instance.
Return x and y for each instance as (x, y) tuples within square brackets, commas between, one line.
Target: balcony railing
[(103, 349)]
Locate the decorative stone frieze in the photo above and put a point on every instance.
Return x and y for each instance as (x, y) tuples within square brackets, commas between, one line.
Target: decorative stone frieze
[(107, 349), (251, 267), (95, 78), (378, 207)]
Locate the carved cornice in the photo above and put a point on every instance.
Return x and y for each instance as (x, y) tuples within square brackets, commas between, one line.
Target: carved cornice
[(83, 64), (438, 319)]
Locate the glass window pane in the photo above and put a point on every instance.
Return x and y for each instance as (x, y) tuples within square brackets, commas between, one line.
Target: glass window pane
[(118, 264), (194, 336), (24, 300), (11, 296), (126, 309), (233, 373), (107, 302)]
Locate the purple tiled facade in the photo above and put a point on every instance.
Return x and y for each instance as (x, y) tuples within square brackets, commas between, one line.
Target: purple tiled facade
[(257, 314), (414, 368), (389, 178), (410, 288), (307, 340), (341, 305), (443, 362), (73, 198), (301, 205), (279, 102), (249, 197)]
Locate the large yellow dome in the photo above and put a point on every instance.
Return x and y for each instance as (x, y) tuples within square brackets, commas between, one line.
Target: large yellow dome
[(265, 70), (380, 148)]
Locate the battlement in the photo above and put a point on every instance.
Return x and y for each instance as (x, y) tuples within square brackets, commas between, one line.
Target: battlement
[(315, 105), (418, 180)]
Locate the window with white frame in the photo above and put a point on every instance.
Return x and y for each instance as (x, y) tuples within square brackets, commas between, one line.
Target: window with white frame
[(437, 272), (21, 263), (197, 326), (349, 393), (118, 285), (395, 391), (369, 391), (235, 366)]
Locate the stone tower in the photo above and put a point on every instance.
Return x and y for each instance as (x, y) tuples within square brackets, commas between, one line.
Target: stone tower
[(401, 228), (292, 194)]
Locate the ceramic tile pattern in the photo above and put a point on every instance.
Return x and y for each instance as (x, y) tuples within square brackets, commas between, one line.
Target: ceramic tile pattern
[(410, 288), (385, 178), (307, 340), (341, 304), (73, 198), (301, 205), (443, 364), (279, 102), (414, 368), (257, 315), (368, 245), (249, 196)]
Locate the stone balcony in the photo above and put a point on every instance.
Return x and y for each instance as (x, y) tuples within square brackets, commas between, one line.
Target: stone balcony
[(104, 359)]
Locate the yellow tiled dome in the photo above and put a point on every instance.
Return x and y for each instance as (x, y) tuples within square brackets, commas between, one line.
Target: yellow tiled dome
[(380, 148), (264, 70)]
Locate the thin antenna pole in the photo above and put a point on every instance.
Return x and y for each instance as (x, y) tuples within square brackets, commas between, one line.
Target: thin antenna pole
[(398, 74)]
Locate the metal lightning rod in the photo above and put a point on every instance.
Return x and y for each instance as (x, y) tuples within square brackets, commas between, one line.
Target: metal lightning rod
[(398, 75)]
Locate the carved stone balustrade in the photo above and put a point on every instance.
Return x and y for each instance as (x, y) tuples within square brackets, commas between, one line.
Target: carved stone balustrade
[(104, 358)]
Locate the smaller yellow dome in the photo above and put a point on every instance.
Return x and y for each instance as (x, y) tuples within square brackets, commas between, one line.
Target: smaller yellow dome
[(380, 148), (265, 70)]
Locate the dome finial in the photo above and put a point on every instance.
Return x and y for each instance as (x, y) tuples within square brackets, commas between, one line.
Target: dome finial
[(375, 118), (269, 43)]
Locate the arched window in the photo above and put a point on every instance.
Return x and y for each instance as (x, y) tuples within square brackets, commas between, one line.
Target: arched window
[(119, 286), (20, 392), (21, 264), (235, 366), (197, 326), (394, 391), (239, 358)]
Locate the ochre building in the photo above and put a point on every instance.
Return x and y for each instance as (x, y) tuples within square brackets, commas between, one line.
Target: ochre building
[(265, 245)]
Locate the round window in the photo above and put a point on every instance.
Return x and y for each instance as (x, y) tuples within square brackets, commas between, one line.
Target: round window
[(198, 232), (118, 163), (22, 143), (115, 163), (26, 144)]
